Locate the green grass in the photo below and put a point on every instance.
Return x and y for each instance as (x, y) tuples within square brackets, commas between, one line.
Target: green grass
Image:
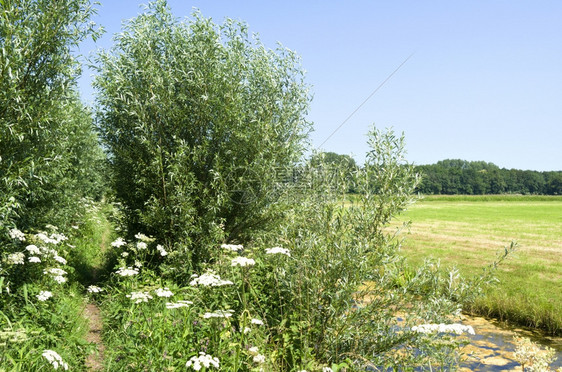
[(467, 231)]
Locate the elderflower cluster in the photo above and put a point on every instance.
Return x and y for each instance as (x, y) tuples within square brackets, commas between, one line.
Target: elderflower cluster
[(55, 359), (209, 279), (278, 250), (32, 249), (139, 297), (203, 360), (242, 261), (232, 247), (443, 328)]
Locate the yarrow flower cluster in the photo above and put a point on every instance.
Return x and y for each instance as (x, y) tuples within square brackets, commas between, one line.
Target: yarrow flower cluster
[(443, 328), (32, 249), (278, 250), (139, 297), (129, 271), (163, 292), (203, 360), (16, 258), (256, 321), (57, 274), (17, 235), (54, 238), (176, 305), (209, 279), (34, 259), (119, 242), (94, 289), (161, 250), (44, 296), (232, 247), (55, 359), (242, 261), (218, 314), (144, 238), (141, 245)]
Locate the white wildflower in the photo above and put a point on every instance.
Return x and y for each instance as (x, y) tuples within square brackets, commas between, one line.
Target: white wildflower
[(138, 264), (242, 261), (205, 360), (259, 358), (209, 279), (118, 243), (17, 258), (125, 254), (32, 249), (141, 236), (34, 259), (55, 359), (44, 296), (55, 271), (139, 297), (58, 238), (253, 350), (232, 247), (141, 245), (59, 279), (75, 227), (162, 251), (327, 369), (278, 250), (247, 330), (443, 328), (218, 314), (256, 321), (127, 271), (59, 259), (163, 292), (94, 289), (176, 305), (17, 234)]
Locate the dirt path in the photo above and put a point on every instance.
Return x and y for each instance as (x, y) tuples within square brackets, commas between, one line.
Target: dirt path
[(94, 362)]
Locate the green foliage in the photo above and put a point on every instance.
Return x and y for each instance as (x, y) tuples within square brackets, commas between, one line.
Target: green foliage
[(197, 118), (49, 155), (453, 176)]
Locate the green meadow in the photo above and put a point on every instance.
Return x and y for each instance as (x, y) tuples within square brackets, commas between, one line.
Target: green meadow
[(468, 231)]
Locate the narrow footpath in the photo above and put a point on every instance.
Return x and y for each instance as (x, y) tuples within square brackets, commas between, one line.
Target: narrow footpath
[(94, 361)]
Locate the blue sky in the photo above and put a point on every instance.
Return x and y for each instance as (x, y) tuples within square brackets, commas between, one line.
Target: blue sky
[(484, 83)]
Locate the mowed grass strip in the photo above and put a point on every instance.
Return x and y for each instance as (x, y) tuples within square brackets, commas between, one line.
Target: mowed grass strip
[(467, 232)]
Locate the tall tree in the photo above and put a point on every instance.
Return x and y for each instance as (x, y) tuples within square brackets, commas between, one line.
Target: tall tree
[(43, 127), (197, 118)]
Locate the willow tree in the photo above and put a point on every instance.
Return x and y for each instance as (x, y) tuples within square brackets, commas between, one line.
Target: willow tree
[(197, 118), (48, 149)]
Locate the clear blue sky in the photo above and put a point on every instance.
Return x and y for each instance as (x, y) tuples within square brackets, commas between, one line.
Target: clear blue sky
[(485, 82)]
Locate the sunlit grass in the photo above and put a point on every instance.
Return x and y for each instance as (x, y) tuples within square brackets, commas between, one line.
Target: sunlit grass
[(468, 231)]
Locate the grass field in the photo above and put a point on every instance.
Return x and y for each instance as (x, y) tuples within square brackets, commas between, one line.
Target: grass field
[(467, 231)]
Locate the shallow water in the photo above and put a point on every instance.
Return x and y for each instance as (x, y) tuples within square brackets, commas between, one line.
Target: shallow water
[(492, 347)]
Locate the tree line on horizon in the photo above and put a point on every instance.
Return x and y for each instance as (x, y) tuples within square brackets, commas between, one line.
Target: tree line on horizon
[(455, 176)]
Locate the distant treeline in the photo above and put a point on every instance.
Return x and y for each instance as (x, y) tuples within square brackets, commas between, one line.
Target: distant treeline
[(454, 176)]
